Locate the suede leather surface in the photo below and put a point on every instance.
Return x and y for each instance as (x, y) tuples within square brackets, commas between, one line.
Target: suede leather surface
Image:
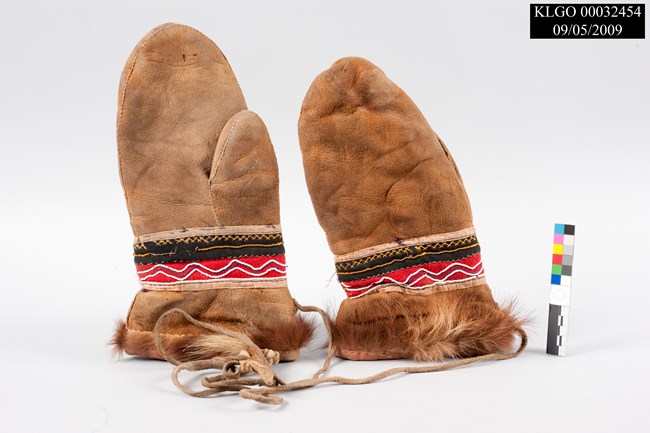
[(191, 155), (377, 173), (244, 180), (232, 307), (177, 92)]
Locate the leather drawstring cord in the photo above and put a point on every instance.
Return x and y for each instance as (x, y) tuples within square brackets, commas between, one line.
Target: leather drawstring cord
[(260, 361)]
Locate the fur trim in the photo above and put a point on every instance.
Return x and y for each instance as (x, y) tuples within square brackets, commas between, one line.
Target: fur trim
[(288, 336), (206, 346), (141, 343), (455, 324), (117, 341), (285, 338)]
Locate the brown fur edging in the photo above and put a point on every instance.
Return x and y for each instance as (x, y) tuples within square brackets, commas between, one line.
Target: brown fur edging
[(285, 338), (456, 324)]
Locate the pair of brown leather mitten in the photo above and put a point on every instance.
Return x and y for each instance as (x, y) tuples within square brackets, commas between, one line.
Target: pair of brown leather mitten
[(201, 183)]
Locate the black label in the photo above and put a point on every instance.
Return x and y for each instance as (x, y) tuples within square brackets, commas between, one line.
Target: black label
[(587, 21)]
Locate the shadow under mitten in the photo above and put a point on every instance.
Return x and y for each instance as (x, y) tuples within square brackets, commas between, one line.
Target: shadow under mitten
[(393, 206), (201, 184)]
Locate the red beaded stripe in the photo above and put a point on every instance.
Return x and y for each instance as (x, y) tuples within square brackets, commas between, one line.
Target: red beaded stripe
[(420, 277), (240, 268)]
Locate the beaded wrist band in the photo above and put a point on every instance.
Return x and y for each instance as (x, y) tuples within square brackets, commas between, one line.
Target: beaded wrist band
[(428, 264), (210, 258)]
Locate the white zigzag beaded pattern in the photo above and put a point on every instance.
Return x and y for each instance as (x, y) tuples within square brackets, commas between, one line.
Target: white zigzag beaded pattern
[(188, 271), (469, 272)]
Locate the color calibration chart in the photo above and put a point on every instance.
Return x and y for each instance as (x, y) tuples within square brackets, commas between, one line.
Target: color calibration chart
[(561, 273)]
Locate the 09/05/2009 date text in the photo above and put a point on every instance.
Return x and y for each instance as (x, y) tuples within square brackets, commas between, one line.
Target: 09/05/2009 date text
[(587, 21)]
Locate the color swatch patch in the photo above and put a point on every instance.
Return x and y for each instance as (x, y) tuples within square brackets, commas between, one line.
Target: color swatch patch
[(561, 274)]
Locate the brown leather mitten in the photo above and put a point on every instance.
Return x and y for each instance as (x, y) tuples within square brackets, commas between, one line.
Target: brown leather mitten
[(392, 203), (201, 184)]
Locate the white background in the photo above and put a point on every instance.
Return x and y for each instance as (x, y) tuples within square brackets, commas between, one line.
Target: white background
[(543, 131)]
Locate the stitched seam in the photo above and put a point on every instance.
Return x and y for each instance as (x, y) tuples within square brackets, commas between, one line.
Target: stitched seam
[(415, 266), (220, 258), (388, 253), (420, 240), (409, 258), (213, 175), (214, 247), (210, 239), (122, 99), (233, 247), (128, 77), (207, 232)]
